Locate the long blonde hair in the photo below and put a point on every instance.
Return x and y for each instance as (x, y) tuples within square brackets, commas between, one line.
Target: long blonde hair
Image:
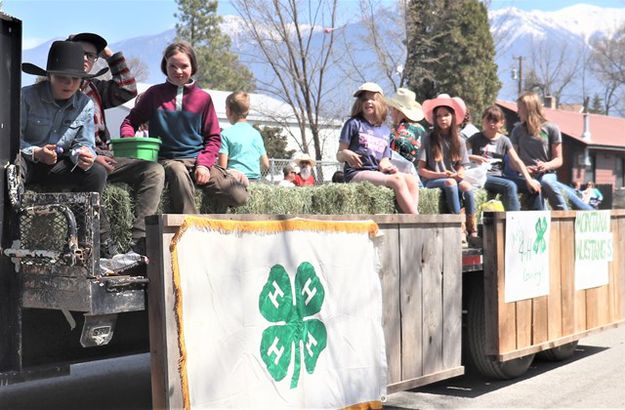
[(534, 109), (381, 109)]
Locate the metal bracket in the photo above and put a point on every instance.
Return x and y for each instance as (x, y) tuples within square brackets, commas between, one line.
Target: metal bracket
[(97, 330)]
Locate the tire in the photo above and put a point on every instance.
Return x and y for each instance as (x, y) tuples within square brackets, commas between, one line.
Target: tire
[(559, 353), (476, 338)]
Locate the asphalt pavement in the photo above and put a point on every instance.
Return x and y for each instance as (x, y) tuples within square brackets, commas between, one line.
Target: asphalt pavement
[(593, 378)]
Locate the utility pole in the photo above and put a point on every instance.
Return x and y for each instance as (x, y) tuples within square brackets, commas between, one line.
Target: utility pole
[(520, 76)]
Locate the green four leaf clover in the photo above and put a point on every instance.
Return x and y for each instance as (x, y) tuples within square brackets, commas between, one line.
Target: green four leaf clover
[(295, 330)]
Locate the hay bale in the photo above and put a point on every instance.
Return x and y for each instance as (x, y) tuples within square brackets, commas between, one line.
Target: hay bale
[(119, 206)]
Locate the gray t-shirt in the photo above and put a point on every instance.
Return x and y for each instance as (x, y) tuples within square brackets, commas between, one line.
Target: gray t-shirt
[(492, 149), (446, 164), (532, 149)]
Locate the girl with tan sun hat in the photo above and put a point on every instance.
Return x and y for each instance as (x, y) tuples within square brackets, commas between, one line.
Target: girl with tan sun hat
[(407, 133)]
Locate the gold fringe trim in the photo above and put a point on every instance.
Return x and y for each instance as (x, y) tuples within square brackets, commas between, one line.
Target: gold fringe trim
[(367, 405), (182, 351), (267, 227), (296, 224)]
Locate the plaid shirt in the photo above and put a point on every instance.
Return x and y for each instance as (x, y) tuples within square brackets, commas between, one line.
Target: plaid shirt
[(107, 94)]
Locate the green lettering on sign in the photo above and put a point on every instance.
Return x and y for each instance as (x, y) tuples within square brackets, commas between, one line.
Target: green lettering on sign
[(540, 245), (293, 331)]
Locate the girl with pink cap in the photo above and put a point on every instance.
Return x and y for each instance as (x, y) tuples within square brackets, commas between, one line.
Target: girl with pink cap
[(443, 156)]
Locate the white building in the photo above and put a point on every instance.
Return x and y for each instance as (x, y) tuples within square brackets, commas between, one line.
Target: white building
[(264, 111)]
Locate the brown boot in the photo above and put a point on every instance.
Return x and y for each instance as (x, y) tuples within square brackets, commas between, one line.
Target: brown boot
[(471, 224)]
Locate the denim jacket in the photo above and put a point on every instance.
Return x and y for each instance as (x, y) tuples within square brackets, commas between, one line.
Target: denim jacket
[(43, 121)]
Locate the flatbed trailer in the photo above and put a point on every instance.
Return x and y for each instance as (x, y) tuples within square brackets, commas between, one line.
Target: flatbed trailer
[(438, 298)]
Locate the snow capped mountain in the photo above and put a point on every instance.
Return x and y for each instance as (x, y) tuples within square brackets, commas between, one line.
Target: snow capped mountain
[(516, 33)]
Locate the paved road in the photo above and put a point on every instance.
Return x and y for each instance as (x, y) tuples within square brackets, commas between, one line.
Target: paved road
[(594, 377)]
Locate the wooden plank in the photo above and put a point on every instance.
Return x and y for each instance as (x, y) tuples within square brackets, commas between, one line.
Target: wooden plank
[(557, 342), (523, 323), (452, 297), (423, 380), (411, 253), (540, 326), (391, 315), (614, 268), (507, 311), (554, 301), (570, 303), (620, 280), (162, 325), (436, 219), (432, 304), (603, 305), (592, 308)]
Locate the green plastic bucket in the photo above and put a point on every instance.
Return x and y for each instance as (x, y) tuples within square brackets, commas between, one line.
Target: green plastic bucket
[(136, 147)]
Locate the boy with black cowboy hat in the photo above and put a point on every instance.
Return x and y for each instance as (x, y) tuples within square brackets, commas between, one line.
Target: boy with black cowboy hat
[(146, 178), (57, 145)]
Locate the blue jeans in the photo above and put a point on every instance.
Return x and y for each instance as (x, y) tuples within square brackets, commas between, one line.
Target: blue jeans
[(556, 192), (506, 188), (453, 196), (534, 199)]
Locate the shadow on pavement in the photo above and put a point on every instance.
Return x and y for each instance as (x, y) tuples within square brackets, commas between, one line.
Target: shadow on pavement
[(472, 384), (120, 383)]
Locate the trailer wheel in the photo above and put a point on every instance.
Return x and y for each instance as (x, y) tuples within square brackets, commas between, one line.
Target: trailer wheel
[(559, 353), (476, 332)]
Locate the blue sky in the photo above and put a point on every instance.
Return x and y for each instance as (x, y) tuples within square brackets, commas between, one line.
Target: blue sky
[(120, 19)]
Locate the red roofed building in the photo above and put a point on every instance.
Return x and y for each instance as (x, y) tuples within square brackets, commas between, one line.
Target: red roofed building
[(605, 160)]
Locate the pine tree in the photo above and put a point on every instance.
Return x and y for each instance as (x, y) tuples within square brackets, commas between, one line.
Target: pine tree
[(596, 107), (218, 67), (275, 142), (451, 50)]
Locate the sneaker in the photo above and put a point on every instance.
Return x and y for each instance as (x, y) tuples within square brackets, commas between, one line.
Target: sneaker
[(15, 185)]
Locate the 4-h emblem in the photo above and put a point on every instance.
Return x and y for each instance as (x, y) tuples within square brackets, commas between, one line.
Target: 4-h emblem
[(294, 328)]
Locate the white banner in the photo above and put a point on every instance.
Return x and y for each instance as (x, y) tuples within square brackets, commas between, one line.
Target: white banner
[(527, 255), (278, 314), (593, 249)]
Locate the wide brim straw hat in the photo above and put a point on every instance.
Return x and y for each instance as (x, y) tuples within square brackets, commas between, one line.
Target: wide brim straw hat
[(64, 58), (405, 101), (369, 86), (304, 158), (444, 100), (98, 41)]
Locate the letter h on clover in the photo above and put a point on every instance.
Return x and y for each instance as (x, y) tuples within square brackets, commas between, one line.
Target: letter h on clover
[(293, 322)]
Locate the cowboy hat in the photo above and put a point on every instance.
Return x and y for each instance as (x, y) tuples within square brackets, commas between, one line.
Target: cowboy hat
[(98, 42), (64, 58), (304, 158), (444, 100), (368, 86), (405, 101)]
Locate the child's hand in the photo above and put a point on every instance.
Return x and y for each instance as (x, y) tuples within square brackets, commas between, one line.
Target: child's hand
[(479, 159), (532, 169), (85, 158), (533, 185), (389, 169), (202, 175), (352, 158), (107, 162), (46, 154)]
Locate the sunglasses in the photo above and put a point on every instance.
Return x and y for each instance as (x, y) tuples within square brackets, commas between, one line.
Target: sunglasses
[(93, 57)]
